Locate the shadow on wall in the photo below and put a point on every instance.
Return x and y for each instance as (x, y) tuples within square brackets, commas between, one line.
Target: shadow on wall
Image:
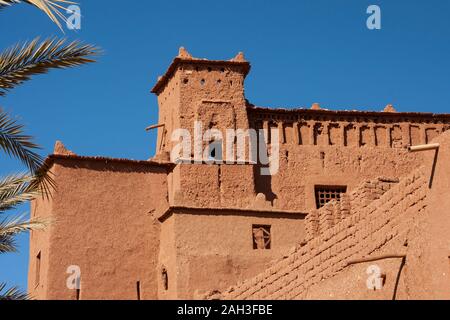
[(263, 184)]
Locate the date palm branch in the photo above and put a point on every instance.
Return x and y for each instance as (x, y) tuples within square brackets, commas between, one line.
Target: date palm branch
[(15, 143), (17, 189), (13, 293), (20, 62), (9, 228)]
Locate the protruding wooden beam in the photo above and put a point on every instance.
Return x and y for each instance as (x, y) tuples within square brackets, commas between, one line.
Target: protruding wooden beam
[(425, 147), (156, 126)]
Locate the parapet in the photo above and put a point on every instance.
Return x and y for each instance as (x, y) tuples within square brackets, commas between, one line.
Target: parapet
[(185, 57)]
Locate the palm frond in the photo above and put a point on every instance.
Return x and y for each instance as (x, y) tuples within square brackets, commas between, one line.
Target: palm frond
[(16, 190), (9, 228), (43, 181), (13, 293), (20, 62), (14, 143), (50, 7)]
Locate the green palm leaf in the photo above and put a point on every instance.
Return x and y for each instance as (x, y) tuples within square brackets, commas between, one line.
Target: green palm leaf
[(16, 190), (9, 228), (13, 293), (14, 143), (20, 62)]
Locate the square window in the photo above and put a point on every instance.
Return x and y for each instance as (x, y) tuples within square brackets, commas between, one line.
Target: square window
[(261, 237), (325, 194)]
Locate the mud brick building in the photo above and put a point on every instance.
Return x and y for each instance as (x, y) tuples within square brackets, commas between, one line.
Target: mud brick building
[(348, 194)]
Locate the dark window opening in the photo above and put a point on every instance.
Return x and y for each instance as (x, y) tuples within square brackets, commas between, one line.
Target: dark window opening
[(165, 279), (38, 269), (261, 237), (325, 194), (138, 290), (215, 151)]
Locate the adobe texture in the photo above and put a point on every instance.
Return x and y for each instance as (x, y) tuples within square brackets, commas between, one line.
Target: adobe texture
[(347, 189)]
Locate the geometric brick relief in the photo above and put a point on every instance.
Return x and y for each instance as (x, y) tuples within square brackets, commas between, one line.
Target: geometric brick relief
[(325, 129), (366, 136), (381, 136), (351, 139), (288, 136), (397, 137), (304, 134), (365, 232), (334, 134), (431, 133), (415, 136)]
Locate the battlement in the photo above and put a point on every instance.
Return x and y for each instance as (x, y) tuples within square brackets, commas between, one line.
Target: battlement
[(350, 128)]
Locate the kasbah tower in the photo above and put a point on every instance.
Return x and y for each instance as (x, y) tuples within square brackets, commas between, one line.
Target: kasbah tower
[(355, 191)]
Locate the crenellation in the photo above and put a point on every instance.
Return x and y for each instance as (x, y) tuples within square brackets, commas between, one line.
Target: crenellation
[(336, 130)]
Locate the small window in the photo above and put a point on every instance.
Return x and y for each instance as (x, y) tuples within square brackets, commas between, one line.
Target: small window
[(261, 237), (38, 269), (215, 151), (165, 279), (325, 194)]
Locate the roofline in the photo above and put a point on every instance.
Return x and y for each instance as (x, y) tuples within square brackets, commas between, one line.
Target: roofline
[(53, 157), (178, 60), (251, 107)]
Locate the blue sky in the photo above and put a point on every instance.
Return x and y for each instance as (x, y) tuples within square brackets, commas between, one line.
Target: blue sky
[(301, 52)]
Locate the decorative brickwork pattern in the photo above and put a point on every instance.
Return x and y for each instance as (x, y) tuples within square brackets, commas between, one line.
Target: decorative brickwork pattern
[(335, 211), (358, 232)]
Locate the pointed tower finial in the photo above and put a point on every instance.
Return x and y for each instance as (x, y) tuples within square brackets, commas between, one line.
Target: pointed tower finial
[(183, 53), (60, 149), (315, 106), (389, 108), (239, 57)]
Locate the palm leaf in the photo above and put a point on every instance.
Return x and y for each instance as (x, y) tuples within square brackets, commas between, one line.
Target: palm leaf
[(16, 190), (14, 143), (13, 293), (20, 62), (50, 7), (9, 228)]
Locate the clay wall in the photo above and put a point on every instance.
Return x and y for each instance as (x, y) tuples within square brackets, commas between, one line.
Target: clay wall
[(102, 222), (383, 227), (202, 185), (213, 249), (39, 252), (339, 148)]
